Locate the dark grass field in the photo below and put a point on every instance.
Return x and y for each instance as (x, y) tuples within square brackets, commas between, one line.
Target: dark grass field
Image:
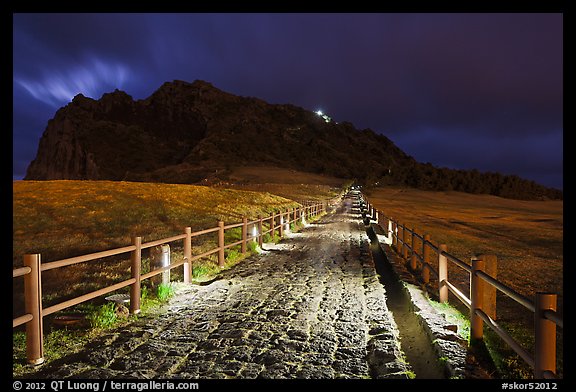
[(526, 237)]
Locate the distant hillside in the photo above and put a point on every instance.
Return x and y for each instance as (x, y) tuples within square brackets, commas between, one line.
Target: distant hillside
[(194, 133)]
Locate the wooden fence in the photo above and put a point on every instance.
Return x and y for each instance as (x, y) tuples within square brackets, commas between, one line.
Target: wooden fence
[(416, 249), (33, 267)]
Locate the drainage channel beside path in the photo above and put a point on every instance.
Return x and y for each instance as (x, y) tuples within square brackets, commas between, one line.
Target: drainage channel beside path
[(414, 339), (311, 306)]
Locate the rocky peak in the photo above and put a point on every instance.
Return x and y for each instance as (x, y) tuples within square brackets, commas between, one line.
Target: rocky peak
[(81, 102), (116, 96), (185, 132)]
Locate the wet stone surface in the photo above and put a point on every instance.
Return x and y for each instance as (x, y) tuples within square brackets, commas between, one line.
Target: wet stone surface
[(309, 307)]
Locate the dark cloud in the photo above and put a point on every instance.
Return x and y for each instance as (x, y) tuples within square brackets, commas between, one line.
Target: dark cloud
[(460, 90)]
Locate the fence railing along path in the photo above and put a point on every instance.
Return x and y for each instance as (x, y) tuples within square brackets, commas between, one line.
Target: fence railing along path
[(33, 267), (481, 298)]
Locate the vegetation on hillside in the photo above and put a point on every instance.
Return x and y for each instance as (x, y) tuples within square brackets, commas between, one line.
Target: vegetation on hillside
[(428, 177)]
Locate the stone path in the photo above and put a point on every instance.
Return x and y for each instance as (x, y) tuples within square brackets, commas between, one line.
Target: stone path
[(309, 307)]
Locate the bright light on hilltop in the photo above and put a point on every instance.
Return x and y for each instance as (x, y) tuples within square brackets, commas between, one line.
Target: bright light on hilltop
[(324, 116)]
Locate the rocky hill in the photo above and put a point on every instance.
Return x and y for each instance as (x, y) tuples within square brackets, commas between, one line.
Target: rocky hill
[(190, 132)]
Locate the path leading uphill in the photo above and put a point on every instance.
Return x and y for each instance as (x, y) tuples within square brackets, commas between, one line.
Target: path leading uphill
[(309, 307)]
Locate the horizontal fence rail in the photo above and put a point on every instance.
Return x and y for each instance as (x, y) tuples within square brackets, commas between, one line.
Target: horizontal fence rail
[(277, 223), (481, 299)]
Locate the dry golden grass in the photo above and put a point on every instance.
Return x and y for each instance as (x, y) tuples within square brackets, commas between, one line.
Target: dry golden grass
[(288, 183), (64, 218), (61, 219), (277, 175), (526, 236)]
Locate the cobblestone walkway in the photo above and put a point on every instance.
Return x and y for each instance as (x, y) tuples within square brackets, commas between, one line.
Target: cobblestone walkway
[(309, 307)]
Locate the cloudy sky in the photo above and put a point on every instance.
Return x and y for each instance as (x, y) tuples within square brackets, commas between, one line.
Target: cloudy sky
[(462, 91)]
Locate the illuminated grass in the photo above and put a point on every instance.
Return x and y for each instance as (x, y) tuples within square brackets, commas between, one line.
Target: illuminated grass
[(526, 236), (455, 317), (165, 292), (57, 343), (65, 218), (61, 219), (61, 342)]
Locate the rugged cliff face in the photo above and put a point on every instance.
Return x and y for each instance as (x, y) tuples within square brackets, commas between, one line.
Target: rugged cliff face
[(185, 132), (190, 132)]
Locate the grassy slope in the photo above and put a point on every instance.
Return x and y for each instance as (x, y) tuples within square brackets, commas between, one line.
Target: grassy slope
[(65, 218), (526, 236), (61, 219), (292, 184)]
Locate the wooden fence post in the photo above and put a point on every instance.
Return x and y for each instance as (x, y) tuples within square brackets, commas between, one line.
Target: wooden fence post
[(476, 300), (33, 306), (426, 260), (395, 235), (414, 253), (187, 254), (399, 248), (413, 241), (491, 268), (405, 240), (425, 249), (390, 232), (413, 261), (244, 244), (272, 223), (260, 231), (221, 259), (545, 335), (442, 273), (135, 266), (281, 228)]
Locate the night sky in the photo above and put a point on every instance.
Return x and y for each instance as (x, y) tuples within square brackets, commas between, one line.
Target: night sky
[(462, 91)]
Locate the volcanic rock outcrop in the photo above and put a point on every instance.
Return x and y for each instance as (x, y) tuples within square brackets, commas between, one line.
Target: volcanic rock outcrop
[(185, 131), (193, 132)]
